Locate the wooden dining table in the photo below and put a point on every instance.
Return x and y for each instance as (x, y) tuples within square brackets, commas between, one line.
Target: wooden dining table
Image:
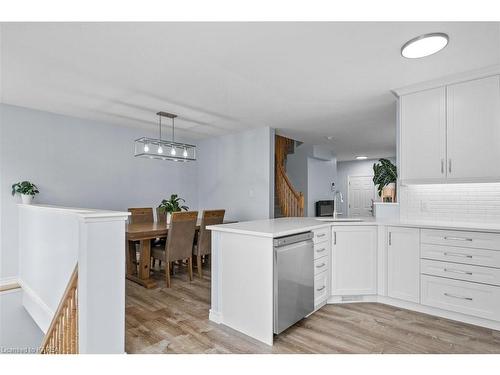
[(144, 233)]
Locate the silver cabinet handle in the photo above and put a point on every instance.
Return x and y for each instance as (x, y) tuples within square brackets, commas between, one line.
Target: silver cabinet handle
[(450, 238), (320, 250), (449, 165), (457, 271), (320, 289), (320, 235), (334, 238), (442, 166), (457, 255), (455, 296), (321, 265), (390, 238)]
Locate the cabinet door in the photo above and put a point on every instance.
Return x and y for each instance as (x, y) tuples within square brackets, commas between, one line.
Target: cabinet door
[(474, 130), (423, 136), (403, 263), (354, 260)]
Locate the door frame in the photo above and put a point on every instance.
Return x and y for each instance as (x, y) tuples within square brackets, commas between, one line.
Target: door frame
[(347, 191)]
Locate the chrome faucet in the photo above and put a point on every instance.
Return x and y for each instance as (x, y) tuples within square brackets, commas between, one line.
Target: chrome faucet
[(335, 194)]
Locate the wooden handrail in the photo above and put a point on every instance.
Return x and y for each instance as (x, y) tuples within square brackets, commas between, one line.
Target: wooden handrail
[(291, 202), (282, 175), (62, 335)]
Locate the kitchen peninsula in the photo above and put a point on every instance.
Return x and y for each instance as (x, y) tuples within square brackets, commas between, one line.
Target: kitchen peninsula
[(450, 270)]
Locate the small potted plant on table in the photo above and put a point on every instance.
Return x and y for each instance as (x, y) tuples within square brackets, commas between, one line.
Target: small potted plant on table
[(172, 205), (26, 189)]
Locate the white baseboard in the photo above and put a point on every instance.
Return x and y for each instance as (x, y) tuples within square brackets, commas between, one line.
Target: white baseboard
[(39, 311), (214, 316), (351, 299)]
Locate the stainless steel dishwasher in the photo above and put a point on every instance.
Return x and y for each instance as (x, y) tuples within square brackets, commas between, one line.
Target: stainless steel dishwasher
[(293, 279)]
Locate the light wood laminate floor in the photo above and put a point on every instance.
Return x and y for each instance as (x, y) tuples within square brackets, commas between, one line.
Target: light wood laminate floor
[(175, 320)]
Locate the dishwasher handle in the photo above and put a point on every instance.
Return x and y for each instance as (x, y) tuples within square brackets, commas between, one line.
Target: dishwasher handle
[(289, 240)]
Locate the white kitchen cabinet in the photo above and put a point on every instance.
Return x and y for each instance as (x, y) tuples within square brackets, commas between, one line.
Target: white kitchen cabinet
[(473, 131), (423, 135), (403, 263), (451, 133), (354, 260)]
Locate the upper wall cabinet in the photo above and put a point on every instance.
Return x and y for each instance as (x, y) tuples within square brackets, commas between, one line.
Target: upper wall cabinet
[(451, 133), (423, 135), (473, 129)]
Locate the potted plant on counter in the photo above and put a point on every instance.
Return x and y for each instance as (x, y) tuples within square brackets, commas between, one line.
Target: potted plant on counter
[(385, 175), (172, 205), (26, 189)]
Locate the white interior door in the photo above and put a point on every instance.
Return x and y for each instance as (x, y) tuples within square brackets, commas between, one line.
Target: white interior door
[(360, 195)]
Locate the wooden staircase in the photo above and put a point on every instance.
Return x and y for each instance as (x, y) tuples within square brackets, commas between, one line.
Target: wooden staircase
[(288, 201), (62, 335)]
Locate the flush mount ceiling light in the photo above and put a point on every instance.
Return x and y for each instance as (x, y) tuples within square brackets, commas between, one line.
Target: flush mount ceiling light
[(361, 157), (424, 45), (157, 148)]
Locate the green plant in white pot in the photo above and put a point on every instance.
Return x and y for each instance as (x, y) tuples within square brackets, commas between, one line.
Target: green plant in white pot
[(174, 204), (385, 174), (27, 190)]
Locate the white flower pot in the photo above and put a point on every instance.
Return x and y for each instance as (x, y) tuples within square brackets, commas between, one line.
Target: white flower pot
[(26, 199), (169, 217)]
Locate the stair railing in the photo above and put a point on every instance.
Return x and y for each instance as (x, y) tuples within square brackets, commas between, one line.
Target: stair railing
[(62, 335), (290, 201)]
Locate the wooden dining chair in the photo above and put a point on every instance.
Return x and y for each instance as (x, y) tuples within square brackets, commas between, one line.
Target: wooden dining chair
[(203, 245), (141, 215), (179, 245)]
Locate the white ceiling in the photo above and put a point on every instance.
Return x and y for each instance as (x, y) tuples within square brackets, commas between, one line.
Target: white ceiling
[(308, 80)]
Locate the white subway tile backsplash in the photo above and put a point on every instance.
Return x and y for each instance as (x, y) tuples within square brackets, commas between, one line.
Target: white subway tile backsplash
[(479, 203)]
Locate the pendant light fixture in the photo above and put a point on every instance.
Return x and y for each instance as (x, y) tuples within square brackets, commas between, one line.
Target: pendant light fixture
[(164, 149)]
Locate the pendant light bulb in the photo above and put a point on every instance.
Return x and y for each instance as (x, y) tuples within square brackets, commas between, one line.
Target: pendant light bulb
[(185, 153), (146, 148), (172, 151), (160, 150)]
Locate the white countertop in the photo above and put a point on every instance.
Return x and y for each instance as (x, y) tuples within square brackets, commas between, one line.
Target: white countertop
[(272, 227), (290, 225)]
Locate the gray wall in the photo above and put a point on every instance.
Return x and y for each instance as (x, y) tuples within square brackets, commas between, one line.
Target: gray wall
[(311, 174), (17, 328), (236, 173), (321, 174), (79, 163), (353, 168), (296, 170)]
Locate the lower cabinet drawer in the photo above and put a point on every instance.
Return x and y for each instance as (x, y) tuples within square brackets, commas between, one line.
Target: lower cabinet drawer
[(321, 235), (478, 257), (320, 288), (478, 240), (320, 265), (321, 249), (458, 271), (461, 296)]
